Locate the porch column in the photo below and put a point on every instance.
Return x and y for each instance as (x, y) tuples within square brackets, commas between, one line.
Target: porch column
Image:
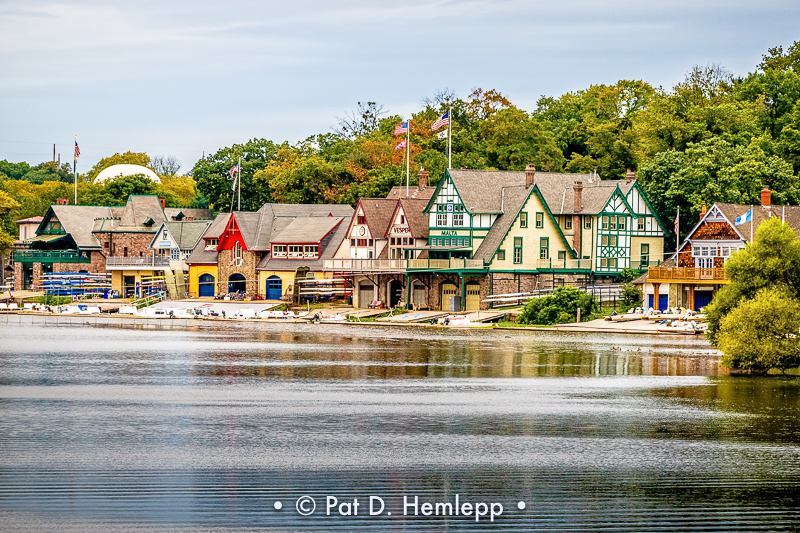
[(655, 295), (463, 293), (691, 297), (408, 291)]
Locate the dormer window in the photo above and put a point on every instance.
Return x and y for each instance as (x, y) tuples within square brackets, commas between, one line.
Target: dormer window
[(211, 245), (279, 251)]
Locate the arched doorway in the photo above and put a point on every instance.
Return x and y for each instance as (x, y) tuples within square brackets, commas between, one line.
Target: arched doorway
[(448, 290), (237, 283), (274, 288), (206, 285), (395, 289), (473, 296)]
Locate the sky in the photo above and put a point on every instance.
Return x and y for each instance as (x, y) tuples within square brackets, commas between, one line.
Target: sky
[(184, 78)]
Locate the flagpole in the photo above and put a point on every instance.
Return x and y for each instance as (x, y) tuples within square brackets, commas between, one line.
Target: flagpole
[(408, 154), (450, 137), (75, 168), (751, 223), (678, 236), (239, 172)]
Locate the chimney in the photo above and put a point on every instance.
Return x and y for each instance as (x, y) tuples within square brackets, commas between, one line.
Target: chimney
[(578, 204), (163, 202), (630, 175), (62, 201), (766, 196), (423, 178), (576, 218), (703, 211), (530, 176)]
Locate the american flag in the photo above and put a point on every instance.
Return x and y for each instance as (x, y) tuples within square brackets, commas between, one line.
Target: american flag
[(444, 120), (234, 170), (401, 128), (401, 145), (77, 150)]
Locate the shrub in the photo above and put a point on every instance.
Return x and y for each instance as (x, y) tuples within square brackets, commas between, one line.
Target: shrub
[(630, 295), (559, 307)]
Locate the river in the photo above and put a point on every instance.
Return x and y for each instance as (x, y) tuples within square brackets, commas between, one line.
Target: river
[(214, 428)]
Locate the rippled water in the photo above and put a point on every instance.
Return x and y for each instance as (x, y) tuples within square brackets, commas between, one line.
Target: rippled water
[(154, 430)]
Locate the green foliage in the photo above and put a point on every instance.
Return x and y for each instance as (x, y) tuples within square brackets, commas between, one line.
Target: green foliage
[(50, 299), (762, 332), (776, 59), (6, 241), (715, 170), (630, 296), (512, 140), (559, 307), (629, 274), (772, 260), (128, 158), (213, 181), (14, 171)]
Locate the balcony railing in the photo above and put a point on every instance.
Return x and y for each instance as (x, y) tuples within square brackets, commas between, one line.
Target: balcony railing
[(686, 274), (50, 256), (137, 262), (365, 265), (454, 263)]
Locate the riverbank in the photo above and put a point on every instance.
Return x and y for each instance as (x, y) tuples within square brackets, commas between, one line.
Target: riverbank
[(118, 320)]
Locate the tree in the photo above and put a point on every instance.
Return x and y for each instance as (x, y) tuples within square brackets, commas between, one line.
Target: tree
[(512, 140), (762, 332), (775, 59), (128, 158), (715, 170), (14, 171), (363, 121), (7, 205), (211, 175), (771, 261), (561, 306), (49, 171), (165, 166), (630, 295)]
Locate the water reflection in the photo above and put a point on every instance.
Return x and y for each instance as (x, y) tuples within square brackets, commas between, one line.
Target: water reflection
[(206, 429)]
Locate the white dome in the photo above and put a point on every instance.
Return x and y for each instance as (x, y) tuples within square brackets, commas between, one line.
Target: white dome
[(125, 170)]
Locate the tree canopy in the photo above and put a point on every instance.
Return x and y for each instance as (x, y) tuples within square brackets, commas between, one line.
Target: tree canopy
[(770, 262)]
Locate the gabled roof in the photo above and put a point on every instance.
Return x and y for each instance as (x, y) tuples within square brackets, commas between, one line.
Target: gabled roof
[(514, 199), (29, 220), (413, 192), (78, 221), (480, 190), (414, 211), (790, 214), (141, 207), (307, 229), (185, 212), (187, 234), (379, 212), (327, 248)]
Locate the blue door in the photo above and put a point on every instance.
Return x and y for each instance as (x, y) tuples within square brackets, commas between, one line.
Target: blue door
[(663, 301), (702, 299), (274, 288), (206, 285)]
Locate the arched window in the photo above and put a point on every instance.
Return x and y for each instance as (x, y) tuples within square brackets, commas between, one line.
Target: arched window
[(237, 250)]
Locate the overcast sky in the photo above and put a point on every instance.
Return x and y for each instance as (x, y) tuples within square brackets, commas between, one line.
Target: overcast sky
[(183, 77)]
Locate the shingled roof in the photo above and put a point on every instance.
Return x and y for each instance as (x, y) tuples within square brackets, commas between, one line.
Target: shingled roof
[(790, 214), (140, 209), (513, 200), (328, 246), (187, 233), (379, 212), (78, 221), (413, 192), (480, 190)]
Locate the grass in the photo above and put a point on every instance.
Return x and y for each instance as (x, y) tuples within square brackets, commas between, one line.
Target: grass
[(49, 299)]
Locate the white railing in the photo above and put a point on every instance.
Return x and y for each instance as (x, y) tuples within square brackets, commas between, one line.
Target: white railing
[(366, 265), (151, 261)]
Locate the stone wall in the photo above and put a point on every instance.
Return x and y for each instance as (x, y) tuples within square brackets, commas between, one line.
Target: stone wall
[(138, 244), (248, 269)]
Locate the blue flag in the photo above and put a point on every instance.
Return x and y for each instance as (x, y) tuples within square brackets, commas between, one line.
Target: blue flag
[(747, 217)]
